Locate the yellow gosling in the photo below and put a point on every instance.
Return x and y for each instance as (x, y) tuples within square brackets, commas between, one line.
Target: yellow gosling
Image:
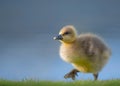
[(87, 52)]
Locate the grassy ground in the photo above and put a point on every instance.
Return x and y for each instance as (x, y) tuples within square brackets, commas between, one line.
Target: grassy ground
[(60, 83)]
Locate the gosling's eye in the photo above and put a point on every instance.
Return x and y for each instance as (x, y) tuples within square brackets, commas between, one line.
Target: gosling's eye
[(66, 33)]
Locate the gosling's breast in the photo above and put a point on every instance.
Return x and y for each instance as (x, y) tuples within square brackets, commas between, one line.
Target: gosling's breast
[(70, 53)]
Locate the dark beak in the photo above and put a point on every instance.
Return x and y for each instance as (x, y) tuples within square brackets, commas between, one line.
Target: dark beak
[(59, 37)]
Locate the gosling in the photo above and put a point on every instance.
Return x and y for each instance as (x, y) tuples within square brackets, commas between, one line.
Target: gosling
[(87, 52)]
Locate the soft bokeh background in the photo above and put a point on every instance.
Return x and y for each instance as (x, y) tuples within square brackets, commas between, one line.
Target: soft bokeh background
[(27, 50)]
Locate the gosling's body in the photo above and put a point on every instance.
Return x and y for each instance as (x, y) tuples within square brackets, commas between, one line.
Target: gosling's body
[(87, 52)]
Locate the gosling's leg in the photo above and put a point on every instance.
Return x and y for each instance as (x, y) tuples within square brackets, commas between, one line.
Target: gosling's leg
[(95, 76), (72, 74)]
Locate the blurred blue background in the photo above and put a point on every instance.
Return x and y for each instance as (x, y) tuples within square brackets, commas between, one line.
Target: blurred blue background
[(27, 28)]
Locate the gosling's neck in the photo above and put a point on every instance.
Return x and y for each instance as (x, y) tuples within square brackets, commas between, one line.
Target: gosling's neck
[(69, 43)]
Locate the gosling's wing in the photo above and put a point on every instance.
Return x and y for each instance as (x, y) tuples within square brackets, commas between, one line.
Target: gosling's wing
[(92, 45)]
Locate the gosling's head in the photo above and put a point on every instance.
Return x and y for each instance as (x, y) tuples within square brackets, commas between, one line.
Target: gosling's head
[(67, 34)]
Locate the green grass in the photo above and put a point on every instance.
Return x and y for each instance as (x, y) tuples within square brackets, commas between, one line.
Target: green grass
[(60, 83)]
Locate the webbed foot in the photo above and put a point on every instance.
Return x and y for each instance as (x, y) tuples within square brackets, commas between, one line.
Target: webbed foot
[(72, 74)]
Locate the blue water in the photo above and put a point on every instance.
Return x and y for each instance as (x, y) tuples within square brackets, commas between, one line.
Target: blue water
[(27, 28)]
